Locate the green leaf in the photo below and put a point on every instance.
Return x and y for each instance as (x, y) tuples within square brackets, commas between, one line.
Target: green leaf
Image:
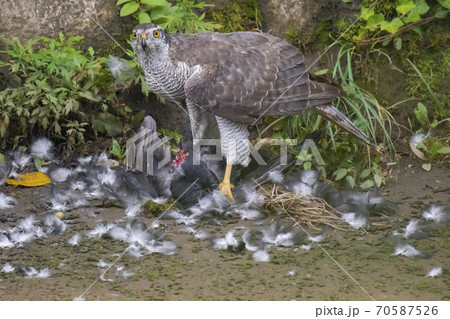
[(108, 124), (444, 150), (322, 72), (445, 3), (144, 18), (386, 42), (365, 173), (368, 184), (159, 13), (374, 21), (378, 179), (421, 113), (392, 26), (404, 6), (129, 8), (398, 43), (119, 2), (307, 165), (38, 163), (116, 149), (366, 13), (340, 173), (350, 181), (439, 11), (156, 3)]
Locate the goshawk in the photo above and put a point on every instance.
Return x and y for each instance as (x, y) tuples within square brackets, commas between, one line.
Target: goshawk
[(231, 81)]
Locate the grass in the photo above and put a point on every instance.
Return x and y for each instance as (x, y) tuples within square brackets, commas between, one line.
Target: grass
[(361, 106)]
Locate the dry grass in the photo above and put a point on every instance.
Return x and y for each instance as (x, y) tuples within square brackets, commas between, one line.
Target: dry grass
[(306, 210)]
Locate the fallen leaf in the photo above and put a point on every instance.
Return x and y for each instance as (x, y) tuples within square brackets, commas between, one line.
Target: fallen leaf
[(417, 152), (30, 180)]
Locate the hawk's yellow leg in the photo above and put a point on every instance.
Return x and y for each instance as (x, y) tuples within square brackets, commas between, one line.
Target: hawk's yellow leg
[(225, 187)]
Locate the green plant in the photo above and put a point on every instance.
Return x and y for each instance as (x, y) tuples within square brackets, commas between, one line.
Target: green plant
[(118, 151), (172, 18), (384, 21), (59, 89), (434, 147), (172, 138)]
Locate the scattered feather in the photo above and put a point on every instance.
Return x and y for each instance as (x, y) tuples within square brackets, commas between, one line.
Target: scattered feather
[(249, 214), (230, 239), (7, 201), (103, 264), (74, 240), (42, 148), (117, 67), (133, 208), (252, 197), (414, 230), (20, 159), (406, 250), (43, 273), (249, 241), (183, 219), (31, 272), (103, 160), (291, 272), (100, 230), (55, 225), (276, 177), (278, 235), (434, 272), (318, 238), (127, 274), (102, 278), (108, 178), (355, 220), (261, 256), (437, 214), (60, 174), (7, 268)]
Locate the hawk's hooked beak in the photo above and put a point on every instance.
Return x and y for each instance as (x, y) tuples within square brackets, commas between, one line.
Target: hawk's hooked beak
[(144, 41)]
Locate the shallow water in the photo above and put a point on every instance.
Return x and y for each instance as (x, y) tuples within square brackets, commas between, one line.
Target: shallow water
[(351, 265)]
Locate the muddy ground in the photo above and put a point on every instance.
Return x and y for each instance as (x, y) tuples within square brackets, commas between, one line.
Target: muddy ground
[(198, 272)]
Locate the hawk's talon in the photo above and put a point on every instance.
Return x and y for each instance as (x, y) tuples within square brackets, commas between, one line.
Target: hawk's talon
[(225, 189)]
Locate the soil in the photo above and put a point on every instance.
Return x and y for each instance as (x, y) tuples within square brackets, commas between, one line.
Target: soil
[(348, 265)]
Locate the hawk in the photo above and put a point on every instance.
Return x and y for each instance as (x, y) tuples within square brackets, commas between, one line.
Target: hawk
[(230, 81)]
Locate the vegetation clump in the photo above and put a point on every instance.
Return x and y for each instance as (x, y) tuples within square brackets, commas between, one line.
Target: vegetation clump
[(58, 91)]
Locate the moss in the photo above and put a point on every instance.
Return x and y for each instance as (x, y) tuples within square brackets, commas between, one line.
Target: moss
[(152, 208), (318, 37), (236, 15)]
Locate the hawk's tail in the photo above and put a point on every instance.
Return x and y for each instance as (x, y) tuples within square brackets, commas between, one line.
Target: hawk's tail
[(337, 117)]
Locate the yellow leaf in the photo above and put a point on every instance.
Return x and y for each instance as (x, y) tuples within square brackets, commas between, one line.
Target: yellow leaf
[(30, 180)]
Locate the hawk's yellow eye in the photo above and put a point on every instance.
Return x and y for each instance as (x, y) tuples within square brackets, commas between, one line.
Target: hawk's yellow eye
[(133, 35), (156, 33)]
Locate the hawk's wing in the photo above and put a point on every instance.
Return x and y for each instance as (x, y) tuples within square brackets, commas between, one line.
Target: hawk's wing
[(243, 75)]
